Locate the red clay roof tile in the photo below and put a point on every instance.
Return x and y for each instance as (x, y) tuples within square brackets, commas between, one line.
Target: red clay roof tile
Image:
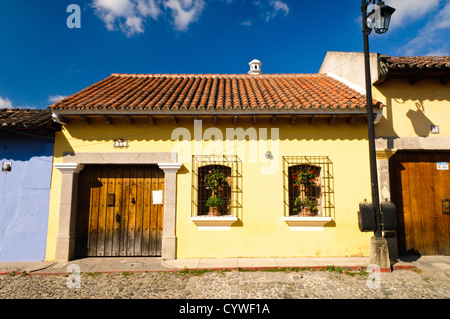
[(27, 119), (215, 92)]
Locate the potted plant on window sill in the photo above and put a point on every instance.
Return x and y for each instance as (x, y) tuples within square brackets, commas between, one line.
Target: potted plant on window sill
[(306, 181), (215, 206), (214, 182), (305, 207)]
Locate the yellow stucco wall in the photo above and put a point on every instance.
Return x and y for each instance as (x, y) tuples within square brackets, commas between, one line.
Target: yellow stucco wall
[(261, 231), (411, 109)]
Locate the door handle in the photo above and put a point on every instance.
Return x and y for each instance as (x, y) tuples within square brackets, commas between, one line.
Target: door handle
[(133, 201), (118, 218)]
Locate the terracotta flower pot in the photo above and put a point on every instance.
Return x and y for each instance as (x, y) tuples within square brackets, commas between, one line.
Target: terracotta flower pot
[(215, 211), (306, 211)]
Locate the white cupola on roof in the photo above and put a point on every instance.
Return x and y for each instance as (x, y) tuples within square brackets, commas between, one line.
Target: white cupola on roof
[(255, 67)]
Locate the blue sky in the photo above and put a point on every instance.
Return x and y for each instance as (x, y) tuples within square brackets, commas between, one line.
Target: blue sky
[(42, 59)]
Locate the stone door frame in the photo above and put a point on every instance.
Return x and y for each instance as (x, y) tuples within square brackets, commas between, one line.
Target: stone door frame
[(74, 163)]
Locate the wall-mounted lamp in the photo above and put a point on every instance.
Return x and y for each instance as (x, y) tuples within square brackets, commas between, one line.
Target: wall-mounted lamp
[(121, 143), (6, 167), (434, 129)]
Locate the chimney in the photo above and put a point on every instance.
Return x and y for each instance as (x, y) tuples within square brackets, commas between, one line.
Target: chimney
[(255, 67)]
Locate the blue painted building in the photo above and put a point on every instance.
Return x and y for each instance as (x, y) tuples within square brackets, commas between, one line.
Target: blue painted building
[(26, 155)]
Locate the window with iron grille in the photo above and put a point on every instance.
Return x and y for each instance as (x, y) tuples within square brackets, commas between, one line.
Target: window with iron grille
[(216, 185), (308, 186)]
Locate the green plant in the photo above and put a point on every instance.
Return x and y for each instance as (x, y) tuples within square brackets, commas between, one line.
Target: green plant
[(126, 274), (305, 176), (92, 274), (214, 202), (300, 203), (215, 180)]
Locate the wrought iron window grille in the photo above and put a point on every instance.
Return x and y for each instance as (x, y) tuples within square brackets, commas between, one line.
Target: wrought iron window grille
[(230, 192), (314, 195)]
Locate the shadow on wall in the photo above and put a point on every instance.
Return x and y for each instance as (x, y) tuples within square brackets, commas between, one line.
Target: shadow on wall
[(414, 99), (420, 122)]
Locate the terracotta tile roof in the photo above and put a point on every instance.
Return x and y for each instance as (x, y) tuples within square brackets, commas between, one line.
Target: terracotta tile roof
[(26, 119), (418, 63), (215, 92)]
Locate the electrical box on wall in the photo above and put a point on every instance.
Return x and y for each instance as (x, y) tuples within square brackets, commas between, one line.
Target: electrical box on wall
[(366, 217), (389, 216)]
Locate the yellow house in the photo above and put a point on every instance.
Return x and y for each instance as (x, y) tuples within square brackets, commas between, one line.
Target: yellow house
[(210, 166), (413, 143)]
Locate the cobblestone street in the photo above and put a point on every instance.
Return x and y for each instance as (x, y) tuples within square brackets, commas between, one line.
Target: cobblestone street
[(331, 283)]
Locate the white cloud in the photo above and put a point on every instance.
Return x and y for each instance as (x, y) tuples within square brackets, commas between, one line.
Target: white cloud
[(279, 6), (184, 12), (409, 11), (148, 8), (128, 15), (275, 7), (433, 38), (55, 98), (5, 103)]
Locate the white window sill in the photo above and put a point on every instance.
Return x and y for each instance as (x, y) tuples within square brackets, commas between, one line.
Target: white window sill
[(297, 223), (214, 223)]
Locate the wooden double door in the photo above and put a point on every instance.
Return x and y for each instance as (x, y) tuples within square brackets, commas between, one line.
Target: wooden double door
[(120, 210), (420, 186)]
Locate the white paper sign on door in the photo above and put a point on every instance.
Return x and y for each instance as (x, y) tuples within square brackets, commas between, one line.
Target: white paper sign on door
[(157, 197), (442, 166)]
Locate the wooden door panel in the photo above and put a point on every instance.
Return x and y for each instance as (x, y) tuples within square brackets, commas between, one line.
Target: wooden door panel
[(442, 178), (147, 197), (115, 215), (124, 212), (130, 233), (418, 189), (117, 211), (94, 213)]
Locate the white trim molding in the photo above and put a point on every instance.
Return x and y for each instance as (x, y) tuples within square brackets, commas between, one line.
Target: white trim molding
[(214, 223), (69, 168), (351, 85), (170, 167), (306, 223)]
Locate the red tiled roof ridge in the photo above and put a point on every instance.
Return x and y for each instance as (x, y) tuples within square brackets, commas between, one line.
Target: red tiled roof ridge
[(418, 61), (217, 75)]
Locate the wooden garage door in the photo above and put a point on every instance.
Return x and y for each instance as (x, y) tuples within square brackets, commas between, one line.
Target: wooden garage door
[(116, 215), (418, 188)]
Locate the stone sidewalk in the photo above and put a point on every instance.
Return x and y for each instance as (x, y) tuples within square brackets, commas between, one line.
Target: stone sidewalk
[(231, 279), (152, 264)]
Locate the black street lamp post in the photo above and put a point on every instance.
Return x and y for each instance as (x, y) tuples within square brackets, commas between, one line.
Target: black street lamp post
[(378, 19)]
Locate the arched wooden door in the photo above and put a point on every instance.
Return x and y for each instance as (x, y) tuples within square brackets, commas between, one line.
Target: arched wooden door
[(120, 211)]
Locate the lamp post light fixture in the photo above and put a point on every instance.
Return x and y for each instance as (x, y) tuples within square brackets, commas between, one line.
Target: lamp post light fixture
[(378, 19), (121, 143), (380, 16)]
